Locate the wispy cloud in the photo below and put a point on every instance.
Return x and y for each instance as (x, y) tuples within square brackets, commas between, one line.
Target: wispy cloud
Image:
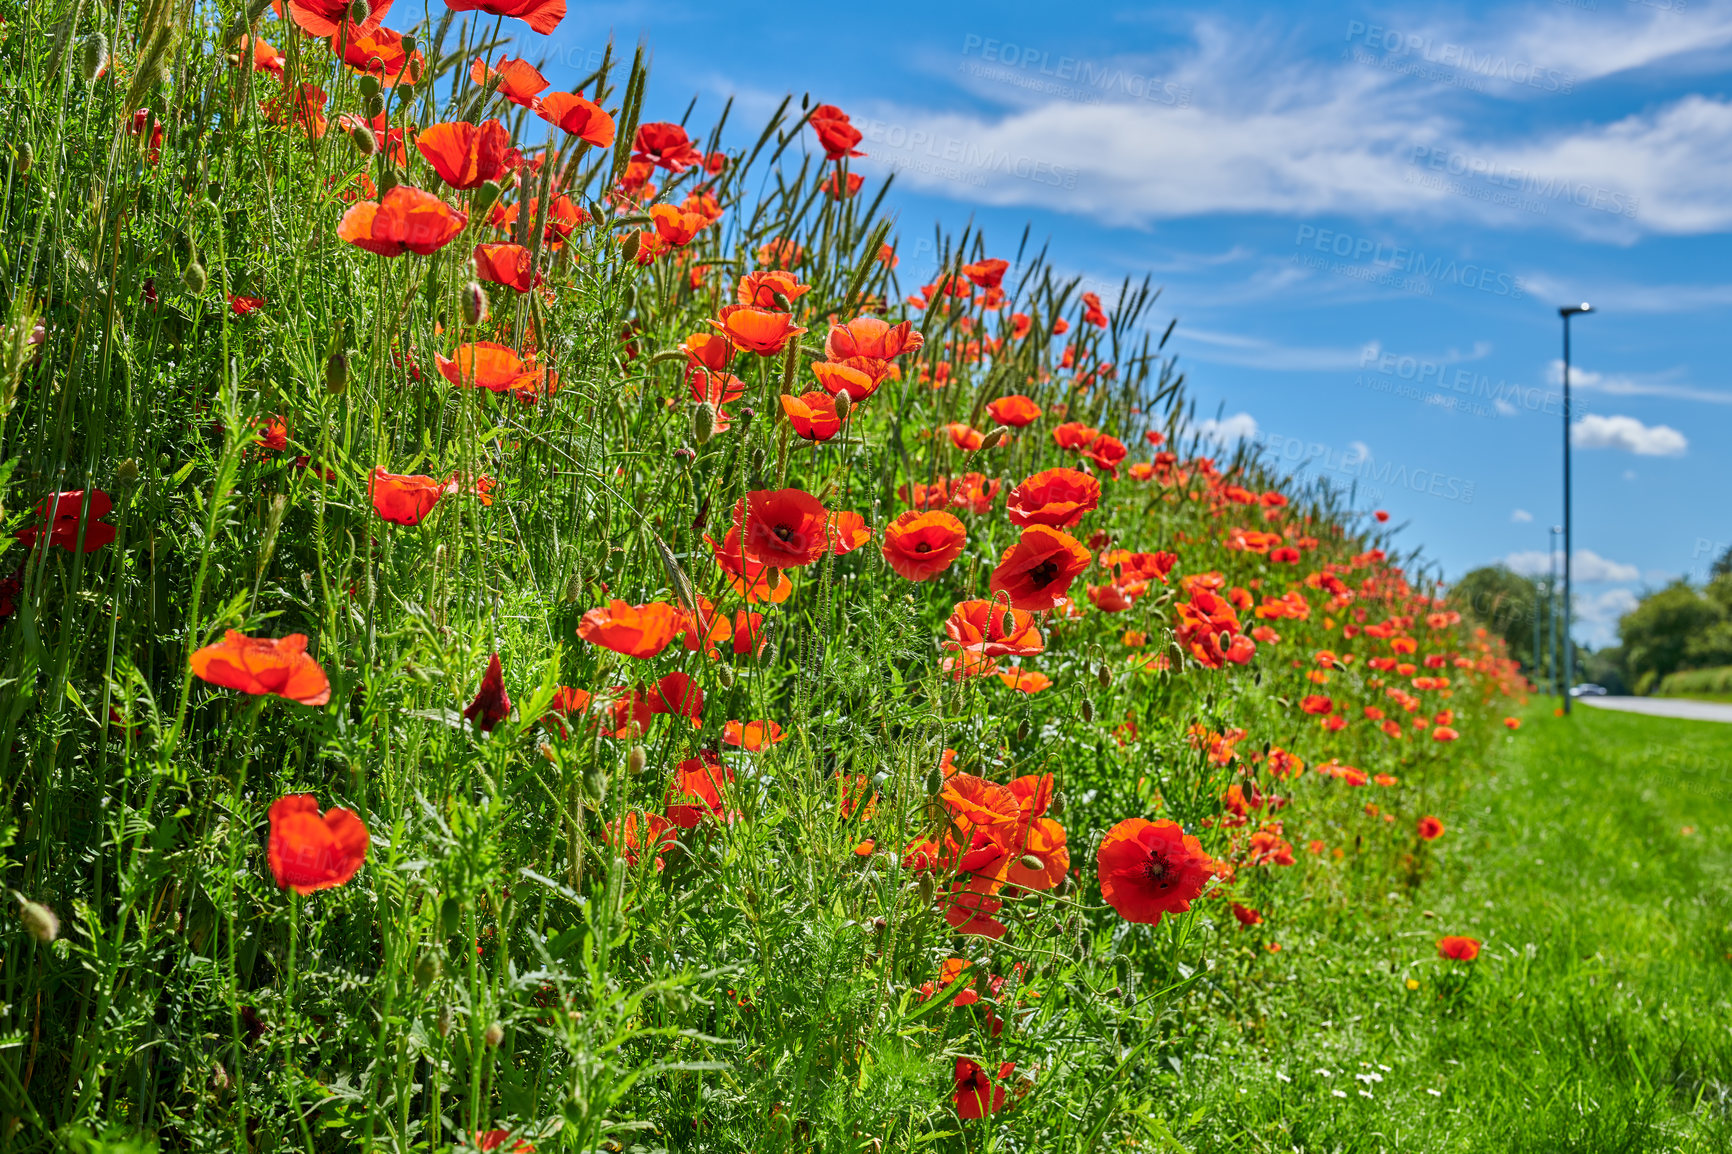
[(1629, 435)]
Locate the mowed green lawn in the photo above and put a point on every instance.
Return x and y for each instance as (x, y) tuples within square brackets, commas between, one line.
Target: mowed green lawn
[(1593, 861)]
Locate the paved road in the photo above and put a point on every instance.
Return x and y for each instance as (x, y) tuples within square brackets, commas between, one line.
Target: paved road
[(1662, 707)]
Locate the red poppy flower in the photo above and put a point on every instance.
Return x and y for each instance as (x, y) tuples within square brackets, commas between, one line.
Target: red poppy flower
[(1106, 452), (859, 377), (813, 415), (1150, 868), (60, 515), (972, 491), (519, 81), (1038, 570), (975, 1095), (579, 116), (1056, 497), (1430, 828), (542, 15), (994, 629), (1024, 680), (308, 851), (1073, 435), (324, 17), (753, 735), (751, 579), (301, 106), (782, 528), (1458, 949), (263, 666), (245, 305), (1015, 410), (848, 531), (760, 289), (1317, 703), (711, 351), (867, 336), (754, 330), (379, 53), (465, 155), (1512, 723), (1113, 598), (403, 499), (1382, 516), (491, 704), (639, 831), (835, 133), (640, 631), (698, 784), (665, 145), (1444, 733), (986, 274), (964, 437), (678, 694), (488, 365), (840, 187), (505, 264), (404, 220), (1246, 915), (920, 545), (675, 226)]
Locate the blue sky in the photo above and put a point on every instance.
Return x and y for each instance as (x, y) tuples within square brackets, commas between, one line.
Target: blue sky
[(1364, 219)]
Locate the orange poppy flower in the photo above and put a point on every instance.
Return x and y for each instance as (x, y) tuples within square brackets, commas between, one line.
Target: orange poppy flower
[(972, 491), (986, 274), (838, 187), (1015, 410), (465, 155), (813, 415), (678, 694), (782, 528), (506, 264), (403, 220), (1458, 949), (964, 437), (403, 499), (519, 81), (1151, 868), (1057, 497), (711, 351), (1043, 842), (867, 336), (1024, 680), (379, 53), (675, 226), (834, 131), (1038, 570), (263, 666), (640, 631), (487, 365), (491, 703), (920, 545), (859, 377), (1317, 703), (542, 15), (1444, 733), (994, 629), (1430, 828), (760, 289), (1106, 452), (300, 106), (1114, 598), (639, 831), (698, 784), (751, 579), (753, 735), (308, 851), (848, 532), (755, 330), (1073, 435), (579, 116), (325, 17)]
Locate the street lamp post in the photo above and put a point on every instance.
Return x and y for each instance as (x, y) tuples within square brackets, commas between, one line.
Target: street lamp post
[(1552, 606), (1567, 311)]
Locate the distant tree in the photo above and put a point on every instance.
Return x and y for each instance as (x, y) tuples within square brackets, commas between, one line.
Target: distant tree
[(1604, 667), (1503, 601), (1671, 629), (1722, 565)]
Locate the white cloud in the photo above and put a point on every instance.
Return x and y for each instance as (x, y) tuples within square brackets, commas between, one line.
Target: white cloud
[(1226, 430), (1629, 435), (1623, 385), (1588, 566), (1521, 516), (1504, 408), (1597, 614), (1629, 474), (1257, 353)]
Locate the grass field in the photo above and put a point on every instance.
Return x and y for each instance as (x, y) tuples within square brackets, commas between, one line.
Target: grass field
[(1593, 862)]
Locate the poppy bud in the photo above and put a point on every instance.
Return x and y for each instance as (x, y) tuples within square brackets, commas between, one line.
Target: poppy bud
[(1225, 640), (25, 157), (38, 919), (408, 46), (369, 84), (597, 213), (336, 372), (844, 403), (635, 760), (725, 675), (387, 181), (1088, 710), (494, 1034), (449, 913), (427, 970), (126, 473), (686, 455), (95, 57), (992, 439), (703, 422), (484, 197), (927, 890), (475, 308), (363, 139), (219, 1079), (629, 249), (359, 11), (1106, 676), (935, 781), (373, 106), (194, 278), (595, 785), (442, 1023), (744, 420), (1022, 730), (1030, 862)]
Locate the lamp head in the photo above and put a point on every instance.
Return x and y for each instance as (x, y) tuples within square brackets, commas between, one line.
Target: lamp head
[(1584, 307)]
